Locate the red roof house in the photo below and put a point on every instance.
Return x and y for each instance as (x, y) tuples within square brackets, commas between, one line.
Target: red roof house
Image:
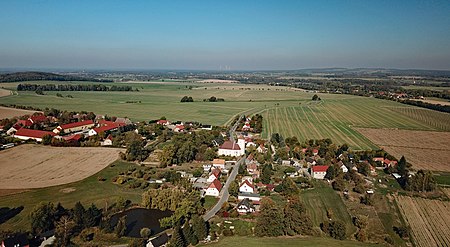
[(214, 188), (319, 172)]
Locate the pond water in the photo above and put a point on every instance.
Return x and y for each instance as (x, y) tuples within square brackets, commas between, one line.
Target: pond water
[(138, 218)]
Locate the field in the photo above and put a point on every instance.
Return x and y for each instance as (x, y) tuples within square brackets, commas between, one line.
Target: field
[(37, 166), (286, 110), (285, 241), (424, 149), (435, 101), (323, 198), (7, 112), (428, 219), (88, 190)]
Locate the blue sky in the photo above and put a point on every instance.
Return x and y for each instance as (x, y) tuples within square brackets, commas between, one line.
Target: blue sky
[(242, 35)]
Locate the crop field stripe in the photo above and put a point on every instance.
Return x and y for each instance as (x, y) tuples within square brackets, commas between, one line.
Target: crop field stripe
[(301, 130)]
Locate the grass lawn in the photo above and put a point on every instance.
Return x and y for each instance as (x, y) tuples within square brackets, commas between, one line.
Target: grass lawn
[(285, 241), (87, 191), (210, 201), (442, 178), (322, 198)]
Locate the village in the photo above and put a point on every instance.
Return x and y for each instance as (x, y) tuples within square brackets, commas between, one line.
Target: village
[(244, 168)]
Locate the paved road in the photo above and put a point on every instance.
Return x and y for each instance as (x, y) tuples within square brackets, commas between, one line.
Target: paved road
[(233, 129), (224, 195)]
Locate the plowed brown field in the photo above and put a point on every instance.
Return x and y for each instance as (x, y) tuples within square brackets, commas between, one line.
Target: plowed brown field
[(424, 149), (428, 219), (37, 166)]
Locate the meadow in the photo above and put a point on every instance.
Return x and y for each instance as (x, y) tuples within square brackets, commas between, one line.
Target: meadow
[(288, 111)]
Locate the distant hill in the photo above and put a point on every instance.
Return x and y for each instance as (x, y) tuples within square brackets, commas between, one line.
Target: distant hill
[(44, 76)]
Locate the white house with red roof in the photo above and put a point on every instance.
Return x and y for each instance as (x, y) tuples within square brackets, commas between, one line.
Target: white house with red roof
[(230, 148), (74, 127), (318, 172), (27, 134), (108, 141), (215, 174), (179, 128), (105, 126), (246, 187), (163, 122), (214, 188)]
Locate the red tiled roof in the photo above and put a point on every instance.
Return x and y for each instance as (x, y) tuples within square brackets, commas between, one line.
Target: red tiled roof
[(33, 133), (216, 184), (38, 118), (319, 168), (248, 183), (230, 145), (180, 127), (315, 151), (75, 137), (106, 122), (105, 128), (25, 122), (219, 161), (216, 172), (162, 121), (77, 124), (378, 159)]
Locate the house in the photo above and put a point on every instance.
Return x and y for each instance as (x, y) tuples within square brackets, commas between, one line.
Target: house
[(315, 152), (25, 122), (179, 128), (27, 134), (16, 241), (72, 138), (248, 178), (206, 127), (318, 172), (163, 122), (251, 196), (37, 119), (219, 163), (261, 149), (214, 188), (215, 174), (104, 129), (13, 129), (252, 169), (245, 206), (246, 187), (343, 168), (158, 241), (378, 160), (230, 148), (123, 121), (108, 141), (74, 127), (207, 168)]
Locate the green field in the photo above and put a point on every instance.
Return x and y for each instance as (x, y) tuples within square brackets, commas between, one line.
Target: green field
[(285, 241), (322, 198), (88, 191), (286, 111)]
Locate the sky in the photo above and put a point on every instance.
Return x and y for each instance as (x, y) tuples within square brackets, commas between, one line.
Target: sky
[(213, 35)]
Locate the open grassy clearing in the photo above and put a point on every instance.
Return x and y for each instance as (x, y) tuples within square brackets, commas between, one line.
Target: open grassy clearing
[(285, 241), (424, 149), (38, 166), (428, 220), (322, 198), (88, 190)]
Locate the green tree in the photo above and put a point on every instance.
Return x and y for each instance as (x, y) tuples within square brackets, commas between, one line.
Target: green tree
[(42, 217), (121, 227), (177, 239), (270, 220), (47, 139), (401, 167), (145, 232), (339, 184), (200, 227), (338, 230), (296, 221), (234, 189)]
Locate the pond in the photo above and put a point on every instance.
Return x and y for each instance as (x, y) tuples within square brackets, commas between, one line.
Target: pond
[(138, 218)]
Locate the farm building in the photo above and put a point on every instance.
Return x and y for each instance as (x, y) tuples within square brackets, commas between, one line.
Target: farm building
[(27, 134), (251, 196), (318, 172), (245, 206), (74, 127), (108, 141), (230, 148), (246, 187), (179, 128), (104, 129), (214, 188), (219, 163), (163, 122)]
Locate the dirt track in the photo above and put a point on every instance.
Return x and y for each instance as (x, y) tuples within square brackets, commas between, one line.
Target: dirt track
[(37, 166)]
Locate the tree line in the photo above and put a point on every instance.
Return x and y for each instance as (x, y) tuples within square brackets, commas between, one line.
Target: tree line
[(69, 87)]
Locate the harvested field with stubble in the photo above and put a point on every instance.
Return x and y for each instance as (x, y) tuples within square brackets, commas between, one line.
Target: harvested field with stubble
[(7, 112), (38, 166), (428, 219), (423, 149)]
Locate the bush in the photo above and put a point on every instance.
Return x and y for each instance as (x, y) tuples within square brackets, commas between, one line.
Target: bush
[(227, 232), (401, 231)]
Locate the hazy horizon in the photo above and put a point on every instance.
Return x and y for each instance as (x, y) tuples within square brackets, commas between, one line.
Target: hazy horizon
[(231, 35)]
